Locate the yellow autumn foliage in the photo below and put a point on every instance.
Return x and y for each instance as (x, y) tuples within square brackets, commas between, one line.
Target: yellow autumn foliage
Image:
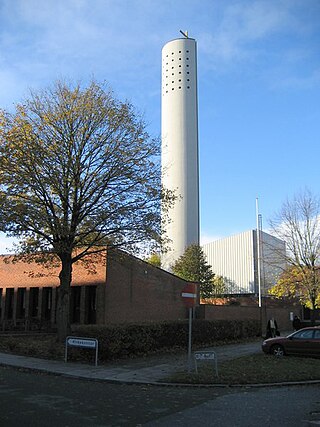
[(302, 283)]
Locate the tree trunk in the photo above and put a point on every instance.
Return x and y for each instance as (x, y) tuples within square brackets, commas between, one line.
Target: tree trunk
[(63, 304), (313, 298), (313, 313)]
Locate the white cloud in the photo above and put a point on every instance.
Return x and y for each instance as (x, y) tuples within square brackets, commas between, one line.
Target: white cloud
[(242, 25), (306, 81)]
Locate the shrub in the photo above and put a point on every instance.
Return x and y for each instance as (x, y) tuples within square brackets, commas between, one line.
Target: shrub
[(131, 340)]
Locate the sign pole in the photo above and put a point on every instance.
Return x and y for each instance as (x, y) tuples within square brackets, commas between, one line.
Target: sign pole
[(189, 296), (190, 341)]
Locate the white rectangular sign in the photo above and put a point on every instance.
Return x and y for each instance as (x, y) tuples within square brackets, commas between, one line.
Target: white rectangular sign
[(81, 342), (204, 355)]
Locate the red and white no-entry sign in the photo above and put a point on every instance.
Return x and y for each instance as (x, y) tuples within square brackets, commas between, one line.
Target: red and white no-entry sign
[(189, 295)]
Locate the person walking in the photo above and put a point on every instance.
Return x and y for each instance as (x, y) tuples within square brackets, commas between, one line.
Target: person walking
[(272, 328), (296, 323)]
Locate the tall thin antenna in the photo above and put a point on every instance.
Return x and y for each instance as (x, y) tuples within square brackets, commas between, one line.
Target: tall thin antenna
[(184, 33), (258, 219)]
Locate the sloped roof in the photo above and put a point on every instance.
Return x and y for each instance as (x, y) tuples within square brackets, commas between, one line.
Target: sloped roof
[(24, 274)]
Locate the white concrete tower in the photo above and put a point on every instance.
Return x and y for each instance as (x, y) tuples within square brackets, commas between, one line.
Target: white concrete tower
[(179, 133)]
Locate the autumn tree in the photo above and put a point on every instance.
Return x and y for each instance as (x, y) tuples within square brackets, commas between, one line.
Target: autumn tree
[(298, 225), (192, 266), (78, 172), (293, 283), (219, 285)]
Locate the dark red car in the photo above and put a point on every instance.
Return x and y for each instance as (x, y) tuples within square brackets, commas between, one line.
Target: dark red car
[(305, 342)]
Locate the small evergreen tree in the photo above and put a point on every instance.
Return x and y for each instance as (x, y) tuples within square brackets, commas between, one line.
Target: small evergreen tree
[(154, 259), (192, 266)]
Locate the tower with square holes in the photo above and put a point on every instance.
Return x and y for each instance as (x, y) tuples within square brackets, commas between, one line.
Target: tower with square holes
[(179, 156)]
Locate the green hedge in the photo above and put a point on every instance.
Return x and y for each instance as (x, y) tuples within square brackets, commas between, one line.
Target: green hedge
[(137, 339)]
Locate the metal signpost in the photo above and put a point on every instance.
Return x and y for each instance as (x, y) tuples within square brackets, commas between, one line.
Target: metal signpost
[(189, 296), (82, 343)]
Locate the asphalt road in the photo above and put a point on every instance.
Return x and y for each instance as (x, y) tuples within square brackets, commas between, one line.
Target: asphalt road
[(34, 399)]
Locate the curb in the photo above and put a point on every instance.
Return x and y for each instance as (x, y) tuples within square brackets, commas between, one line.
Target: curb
[(162, 384)]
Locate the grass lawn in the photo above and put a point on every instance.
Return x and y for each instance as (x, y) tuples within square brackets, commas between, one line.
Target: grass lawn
[(255, 369)]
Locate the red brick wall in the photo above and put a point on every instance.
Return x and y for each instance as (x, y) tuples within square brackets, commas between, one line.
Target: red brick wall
[(227, 312), (139, 292), (277, 310)]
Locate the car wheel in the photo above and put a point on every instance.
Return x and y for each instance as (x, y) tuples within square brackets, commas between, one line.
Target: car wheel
[(277, 350)]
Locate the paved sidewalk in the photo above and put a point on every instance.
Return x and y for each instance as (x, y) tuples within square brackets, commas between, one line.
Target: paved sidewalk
[(147, 370)]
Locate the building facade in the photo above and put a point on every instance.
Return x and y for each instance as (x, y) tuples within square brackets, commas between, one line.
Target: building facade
[(238, 260), (179, 156), (123, 289)]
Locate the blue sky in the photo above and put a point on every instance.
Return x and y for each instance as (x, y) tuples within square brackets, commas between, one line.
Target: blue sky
[(258, 84)]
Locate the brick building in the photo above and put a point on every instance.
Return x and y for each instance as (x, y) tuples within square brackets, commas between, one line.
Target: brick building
[(123, 289)]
